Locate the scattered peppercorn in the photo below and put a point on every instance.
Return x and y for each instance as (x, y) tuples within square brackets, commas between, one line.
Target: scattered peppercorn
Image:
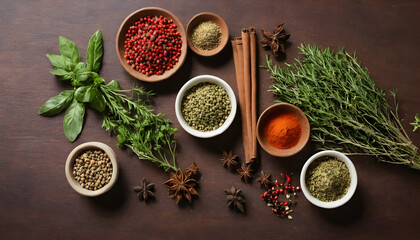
[(272, 197), (153, 45), (92, 169)]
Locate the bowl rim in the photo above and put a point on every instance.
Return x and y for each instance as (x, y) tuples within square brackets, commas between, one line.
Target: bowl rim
[(168, 73), (194, 81), (224, 37), (69, 168), (284, 152), (353, 183)]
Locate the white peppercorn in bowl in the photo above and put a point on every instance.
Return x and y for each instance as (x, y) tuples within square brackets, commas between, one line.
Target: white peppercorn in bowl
[(77, 152), (201, 80), (353, 179)]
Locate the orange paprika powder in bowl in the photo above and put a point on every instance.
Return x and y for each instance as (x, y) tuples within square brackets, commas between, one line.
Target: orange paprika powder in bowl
[(283, 130)]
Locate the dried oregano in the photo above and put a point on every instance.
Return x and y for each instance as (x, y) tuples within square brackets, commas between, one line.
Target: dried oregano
[(206, 36), (328, 179)]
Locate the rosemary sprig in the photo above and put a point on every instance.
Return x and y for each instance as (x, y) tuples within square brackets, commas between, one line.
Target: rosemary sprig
[(347, 112)]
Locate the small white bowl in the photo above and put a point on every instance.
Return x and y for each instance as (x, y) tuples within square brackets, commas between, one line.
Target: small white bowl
[(350, 191), (70, 162), (190, 84)]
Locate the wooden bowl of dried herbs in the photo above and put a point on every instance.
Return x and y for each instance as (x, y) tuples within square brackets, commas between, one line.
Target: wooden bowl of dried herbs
[(328, 179), (207, 34), (92, 169)]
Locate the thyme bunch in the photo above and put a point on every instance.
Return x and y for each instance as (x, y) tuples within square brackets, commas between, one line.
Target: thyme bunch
[(347, 112), (147, 134)]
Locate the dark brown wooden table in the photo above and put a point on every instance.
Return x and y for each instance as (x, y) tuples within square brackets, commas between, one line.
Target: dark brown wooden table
[(36, 202)]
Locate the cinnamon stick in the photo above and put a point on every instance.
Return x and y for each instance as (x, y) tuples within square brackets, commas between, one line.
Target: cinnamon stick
[(238, 60), (245, 59), (247, 84), (253, 56)]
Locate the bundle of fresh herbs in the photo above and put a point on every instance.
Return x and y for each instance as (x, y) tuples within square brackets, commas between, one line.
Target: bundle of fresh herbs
[(347, 112), (149, 135)]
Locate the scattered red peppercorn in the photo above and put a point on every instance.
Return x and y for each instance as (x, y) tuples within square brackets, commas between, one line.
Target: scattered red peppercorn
[(272, 197), (153, 45)]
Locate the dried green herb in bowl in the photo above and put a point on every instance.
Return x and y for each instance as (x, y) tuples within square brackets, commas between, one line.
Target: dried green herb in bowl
[(328, 179), (206, 36)]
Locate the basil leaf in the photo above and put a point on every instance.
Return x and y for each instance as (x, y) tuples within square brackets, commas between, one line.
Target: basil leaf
[(99, 80), (70, 65), (83, 74), (69, 50), (98, 102), (79, 66), (57, 61), (55, 105), (114, 85), (61, 73), (73, 120), (85, 93), (94, 75), (95, 51), (76, 83)]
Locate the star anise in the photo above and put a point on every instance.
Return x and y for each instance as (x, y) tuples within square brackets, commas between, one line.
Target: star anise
[(265, 180), (145, 191), (245, 172), (192, 171), (228, 159), (235, 199), (275, 41), (181, 186)]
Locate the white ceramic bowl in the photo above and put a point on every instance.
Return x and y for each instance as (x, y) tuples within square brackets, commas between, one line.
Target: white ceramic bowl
[(190, 84), (70, 162), (350, 191)]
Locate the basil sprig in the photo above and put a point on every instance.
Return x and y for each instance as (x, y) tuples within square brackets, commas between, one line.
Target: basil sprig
[(84, 79)]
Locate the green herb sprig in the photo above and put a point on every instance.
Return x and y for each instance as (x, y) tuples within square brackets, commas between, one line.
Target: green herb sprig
[(149, 135), (416, 123), (347, 112)]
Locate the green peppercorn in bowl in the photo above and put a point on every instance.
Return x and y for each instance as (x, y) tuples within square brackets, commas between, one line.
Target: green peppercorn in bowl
[(205, 106), (91, 169), (328, 179)]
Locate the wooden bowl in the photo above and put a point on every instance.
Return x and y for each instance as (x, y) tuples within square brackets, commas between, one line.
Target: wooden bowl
[(268, 114), (202, 17), (129, 21)]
